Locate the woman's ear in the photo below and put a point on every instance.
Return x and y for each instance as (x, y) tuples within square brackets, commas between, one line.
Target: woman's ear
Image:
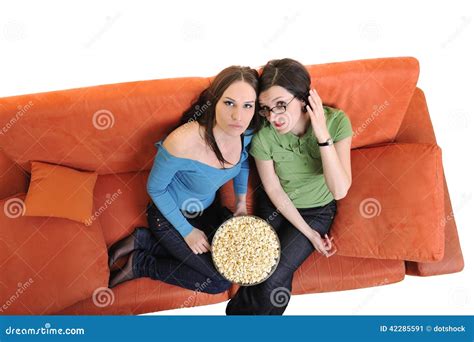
[(305, 103)]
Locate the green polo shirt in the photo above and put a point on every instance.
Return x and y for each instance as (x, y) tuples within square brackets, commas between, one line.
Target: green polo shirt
[(297, 160)]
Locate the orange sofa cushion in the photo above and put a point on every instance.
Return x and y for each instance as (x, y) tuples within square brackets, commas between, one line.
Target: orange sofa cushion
[(47, 264), (142, 295), (395, 205), (60, 192), (121, 200)]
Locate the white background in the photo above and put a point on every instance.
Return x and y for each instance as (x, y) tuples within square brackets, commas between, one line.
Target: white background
[(53, 45)]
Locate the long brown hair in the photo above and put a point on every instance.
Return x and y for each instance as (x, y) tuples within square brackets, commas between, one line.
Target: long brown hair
[(203, 110)]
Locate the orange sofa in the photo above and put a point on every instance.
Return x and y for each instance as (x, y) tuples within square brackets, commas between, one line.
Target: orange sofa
[(396, 219)]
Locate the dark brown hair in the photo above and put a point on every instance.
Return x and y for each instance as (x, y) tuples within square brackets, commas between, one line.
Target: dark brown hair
[(289, 74), (203, 110)]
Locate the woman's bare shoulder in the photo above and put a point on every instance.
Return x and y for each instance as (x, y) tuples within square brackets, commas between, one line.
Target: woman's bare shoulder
[(183, 140)]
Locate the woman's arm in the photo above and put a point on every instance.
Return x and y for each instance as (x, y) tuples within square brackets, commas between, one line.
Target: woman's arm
[(282, 202), (240, 205), (336, 160), (163, 170), (241, 180), (240, 189)]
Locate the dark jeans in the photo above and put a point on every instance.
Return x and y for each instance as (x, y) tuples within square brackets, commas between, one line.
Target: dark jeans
[(167, 257), (272, 296)]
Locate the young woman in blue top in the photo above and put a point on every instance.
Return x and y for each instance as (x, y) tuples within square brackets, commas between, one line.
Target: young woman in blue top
[(209, 147)]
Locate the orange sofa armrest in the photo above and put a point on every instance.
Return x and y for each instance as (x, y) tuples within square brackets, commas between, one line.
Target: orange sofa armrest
[(416, 126)]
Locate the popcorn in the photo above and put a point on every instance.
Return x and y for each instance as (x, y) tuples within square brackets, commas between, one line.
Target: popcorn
[(245, 250)]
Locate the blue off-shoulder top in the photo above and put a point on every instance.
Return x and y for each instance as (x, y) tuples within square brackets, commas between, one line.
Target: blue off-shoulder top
[(177, 185)]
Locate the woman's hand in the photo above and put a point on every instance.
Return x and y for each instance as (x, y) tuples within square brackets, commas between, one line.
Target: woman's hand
[(328, 243), (316, 114), (323, 246), (240, 208), (197, 241)]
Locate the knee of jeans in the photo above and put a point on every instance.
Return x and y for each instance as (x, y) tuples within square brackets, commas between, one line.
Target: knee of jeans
[(142, 237), (142, 231), (279, 278)]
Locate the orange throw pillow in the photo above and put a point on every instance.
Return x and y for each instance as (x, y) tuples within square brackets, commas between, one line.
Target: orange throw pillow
[(59, 191)]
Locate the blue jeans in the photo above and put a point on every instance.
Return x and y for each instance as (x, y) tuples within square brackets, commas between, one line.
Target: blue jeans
[(167, 257), (272, 296)]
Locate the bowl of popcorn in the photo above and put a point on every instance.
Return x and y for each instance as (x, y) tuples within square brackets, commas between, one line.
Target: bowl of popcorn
[(245, 250)]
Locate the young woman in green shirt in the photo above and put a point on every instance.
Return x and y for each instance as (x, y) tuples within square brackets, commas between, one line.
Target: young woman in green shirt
[(302, 156)]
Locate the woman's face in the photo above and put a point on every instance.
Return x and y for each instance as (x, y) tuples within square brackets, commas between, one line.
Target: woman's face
[(280, 97), (236, 108)]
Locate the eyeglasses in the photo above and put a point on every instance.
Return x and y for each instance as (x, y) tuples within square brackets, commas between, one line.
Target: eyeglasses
[(278, 109)]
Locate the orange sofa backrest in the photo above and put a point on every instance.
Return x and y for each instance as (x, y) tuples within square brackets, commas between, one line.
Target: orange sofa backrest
[(112, 128), (107, 128), (374, 93)]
